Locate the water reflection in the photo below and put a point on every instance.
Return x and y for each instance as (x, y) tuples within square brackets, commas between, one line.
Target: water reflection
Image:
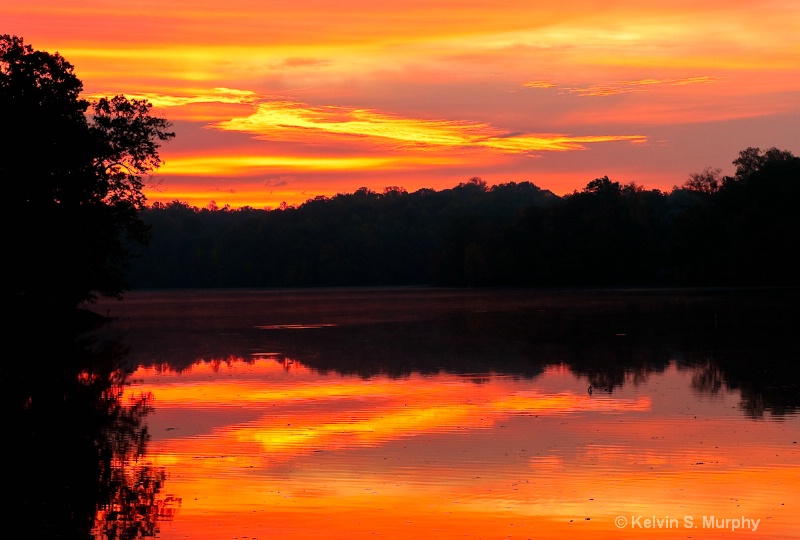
[(75, 439), (267, 448), (742, 340), (444, 414)]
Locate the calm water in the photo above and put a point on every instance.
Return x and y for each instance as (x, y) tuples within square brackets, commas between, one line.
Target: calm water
[(441, 414)]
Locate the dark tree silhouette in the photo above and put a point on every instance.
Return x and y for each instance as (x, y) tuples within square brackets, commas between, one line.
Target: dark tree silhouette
[(713, 230), (74, 183), (708, 182), (751, 160), (759, 211)]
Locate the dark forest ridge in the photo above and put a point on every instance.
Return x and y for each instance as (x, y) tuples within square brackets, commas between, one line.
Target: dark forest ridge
[(77, 170), (712, 230)]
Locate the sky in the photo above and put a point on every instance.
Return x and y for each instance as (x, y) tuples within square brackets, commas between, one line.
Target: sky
[(275, 101)]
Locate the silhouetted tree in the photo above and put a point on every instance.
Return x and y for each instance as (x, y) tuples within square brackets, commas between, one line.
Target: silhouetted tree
[(752, 159), (603, 234), (740, 230), (74, 183), (758, 209), (709, 181)]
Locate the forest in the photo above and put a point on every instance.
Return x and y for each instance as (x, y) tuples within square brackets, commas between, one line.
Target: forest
[(712, 230), (83, 228)]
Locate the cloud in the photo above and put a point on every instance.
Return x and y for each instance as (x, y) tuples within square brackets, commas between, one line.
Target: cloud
[(279, 181), (624, 87), (214, 95), (239, 165), (304, 62), (641, 85), (295, 121), (539, 84)]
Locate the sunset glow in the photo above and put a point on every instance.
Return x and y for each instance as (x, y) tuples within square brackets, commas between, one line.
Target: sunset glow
[(281, 102)]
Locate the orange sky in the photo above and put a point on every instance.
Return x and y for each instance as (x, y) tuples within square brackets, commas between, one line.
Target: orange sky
[(282, 101)]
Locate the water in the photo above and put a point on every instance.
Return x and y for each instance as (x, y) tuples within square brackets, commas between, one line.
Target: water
[(405, 413)]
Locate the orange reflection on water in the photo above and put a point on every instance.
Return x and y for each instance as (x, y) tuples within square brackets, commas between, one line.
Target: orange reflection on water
[(274, 450)]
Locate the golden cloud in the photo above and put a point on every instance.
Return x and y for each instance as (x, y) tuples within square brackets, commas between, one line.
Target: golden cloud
[(214, 95), (289, 120)]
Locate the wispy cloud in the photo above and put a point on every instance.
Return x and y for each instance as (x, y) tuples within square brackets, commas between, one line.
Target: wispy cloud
[(214, 95), (539, 84), (304, 62), (623, 87), (288, 120), (641, 85)]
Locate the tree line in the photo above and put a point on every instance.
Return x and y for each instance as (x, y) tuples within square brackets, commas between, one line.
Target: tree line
[(713, 230), (80, 227)]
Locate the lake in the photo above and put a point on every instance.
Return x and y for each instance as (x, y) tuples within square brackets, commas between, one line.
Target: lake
[(448, 413)]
